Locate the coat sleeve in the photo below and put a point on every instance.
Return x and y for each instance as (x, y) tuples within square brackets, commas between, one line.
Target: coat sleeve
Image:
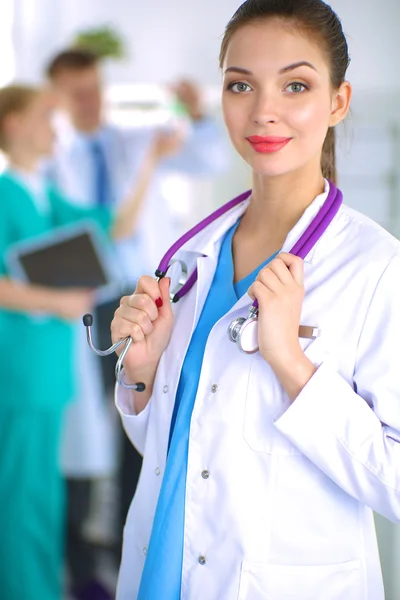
[(134, 425), (354, 436), (66, 212), (204, 153)]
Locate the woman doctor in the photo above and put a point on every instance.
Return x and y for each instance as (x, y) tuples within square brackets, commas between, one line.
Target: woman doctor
[(261, 471)]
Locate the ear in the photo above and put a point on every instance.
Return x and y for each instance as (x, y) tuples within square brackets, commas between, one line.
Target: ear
[(340, 103)]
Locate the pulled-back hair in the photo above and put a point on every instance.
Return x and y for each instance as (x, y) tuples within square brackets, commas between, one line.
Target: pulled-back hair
[(71, 59), (14, 99)]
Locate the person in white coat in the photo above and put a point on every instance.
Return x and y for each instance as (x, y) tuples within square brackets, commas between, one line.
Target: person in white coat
[(261, 471)]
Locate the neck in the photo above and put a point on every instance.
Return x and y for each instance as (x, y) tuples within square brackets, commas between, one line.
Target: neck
[(277, 203), (86, 127), (22, 160)]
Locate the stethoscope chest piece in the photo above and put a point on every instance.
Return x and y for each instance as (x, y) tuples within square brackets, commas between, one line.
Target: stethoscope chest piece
[(247, 341), (234, 328), (244, 332)]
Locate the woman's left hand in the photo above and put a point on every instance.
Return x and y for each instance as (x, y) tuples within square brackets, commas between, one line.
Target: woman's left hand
[(279, 289)]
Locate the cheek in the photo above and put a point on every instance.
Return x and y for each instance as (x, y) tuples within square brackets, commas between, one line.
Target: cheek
[(45, 135), (234, 114), (310, 119)]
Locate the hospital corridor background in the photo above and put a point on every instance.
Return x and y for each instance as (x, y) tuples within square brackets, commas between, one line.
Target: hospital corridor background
[(158, 72)]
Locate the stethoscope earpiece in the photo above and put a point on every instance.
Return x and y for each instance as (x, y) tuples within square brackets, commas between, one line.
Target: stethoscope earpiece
[(87, 320)]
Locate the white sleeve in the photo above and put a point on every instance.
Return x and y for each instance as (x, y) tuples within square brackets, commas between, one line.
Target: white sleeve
[(134, 425), (353, 434), (204, 154)]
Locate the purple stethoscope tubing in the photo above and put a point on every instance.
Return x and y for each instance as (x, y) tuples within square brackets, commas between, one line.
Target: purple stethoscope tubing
[(301, 248)]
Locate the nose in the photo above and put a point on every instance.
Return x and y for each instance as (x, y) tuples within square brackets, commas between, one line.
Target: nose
[(265, 108)]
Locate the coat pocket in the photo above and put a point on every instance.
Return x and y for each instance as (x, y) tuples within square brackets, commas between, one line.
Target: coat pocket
[(266, 401), (263, 581)]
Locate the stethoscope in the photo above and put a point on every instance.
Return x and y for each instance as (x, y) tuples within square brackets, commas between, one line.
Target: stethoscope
[(243, 330)]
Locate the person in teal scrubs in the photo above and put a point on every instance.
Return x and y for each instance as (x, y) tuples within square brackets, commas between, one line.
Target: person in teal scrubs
[(36, 350)]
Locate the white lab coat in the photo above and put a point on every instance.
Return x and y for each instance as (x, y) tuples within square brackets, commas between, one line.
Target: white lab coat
[(286, 512), (89, 449)]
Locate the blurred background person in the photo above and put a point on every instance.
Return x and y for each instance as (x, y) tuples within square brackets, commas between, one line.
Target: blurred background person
[(94, 164), (96, 161), (36, 370), (38, 346)]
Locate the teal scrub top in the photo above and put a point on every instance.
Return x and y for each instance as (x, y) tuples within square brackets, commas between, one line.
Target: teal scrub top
[(36, 351)]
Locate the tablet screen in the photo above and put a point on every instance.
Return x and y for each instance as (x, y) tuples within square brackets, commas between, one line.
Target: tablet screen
[(70, 263), (69, 257)]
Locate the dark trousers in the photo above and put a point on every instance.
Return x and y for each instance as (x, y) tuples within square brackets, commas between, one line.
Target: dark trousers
[(81, 554)]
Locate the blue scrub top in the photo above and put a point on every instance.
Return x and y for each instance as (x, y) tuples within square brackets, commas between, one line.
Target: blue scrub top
[(163, 567)]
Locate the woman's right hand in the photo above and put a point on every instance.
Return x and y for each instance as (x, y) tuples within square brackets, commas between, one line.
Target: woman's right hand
[(147, 318)]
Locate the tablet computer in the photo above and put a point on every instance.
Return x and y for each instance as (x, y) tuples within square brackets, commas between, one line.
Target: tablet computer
[(76, 255)]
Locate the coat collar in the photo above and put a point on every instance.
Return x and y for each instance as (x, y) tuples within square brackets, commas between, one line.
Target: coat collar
[(71, 140), (208, 241)]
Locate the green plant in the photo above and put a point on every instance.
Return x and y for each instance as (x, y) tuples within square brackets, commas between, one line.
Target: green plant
[(103, 41)]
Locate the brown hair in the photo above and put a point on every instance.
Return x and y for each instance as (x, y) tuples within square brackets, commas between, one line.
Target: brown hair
[(311, 17), (14, 99), (72, 59)]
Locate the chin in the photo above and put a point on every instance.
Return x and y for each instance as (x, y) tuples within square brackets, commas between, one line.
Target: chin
[(273, 165), (265, 167)]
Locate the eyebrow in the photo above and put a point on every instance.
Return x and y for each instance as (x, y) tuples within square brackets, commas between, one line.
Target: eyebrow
[(291, 67)]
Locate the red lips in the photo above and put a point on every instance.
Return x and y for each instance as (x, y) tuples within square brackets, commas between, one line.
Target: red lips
[(268, 144)]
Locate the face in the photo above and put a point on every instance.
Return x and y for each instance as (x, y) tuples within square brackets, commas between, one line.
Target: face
[(32, 129), (80, 95), (277, 109)]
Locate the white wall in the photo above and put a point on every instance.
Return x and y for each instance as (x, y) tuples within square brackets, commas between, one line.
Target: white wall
[(168, 38)]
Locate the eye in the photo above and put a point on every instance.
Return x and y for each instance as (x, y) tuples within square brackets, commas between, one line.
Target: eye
[(239, 87), (296, 87)]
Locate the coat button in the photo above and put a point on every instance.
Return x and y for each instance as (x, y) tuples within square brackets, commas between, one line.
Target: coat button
[(157, 471), (202, 560), (205, 474), (145, 550), (165, 389), (214, 388)]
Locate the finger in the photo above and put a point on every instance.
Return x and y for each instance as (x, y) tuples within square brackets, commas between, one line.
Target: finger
[(139, 317), (165, 309), (135, 332), (295, 265), (259, 291), (280, 269), (121, 328), (144, 303), (269, 280), (148, 285)]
